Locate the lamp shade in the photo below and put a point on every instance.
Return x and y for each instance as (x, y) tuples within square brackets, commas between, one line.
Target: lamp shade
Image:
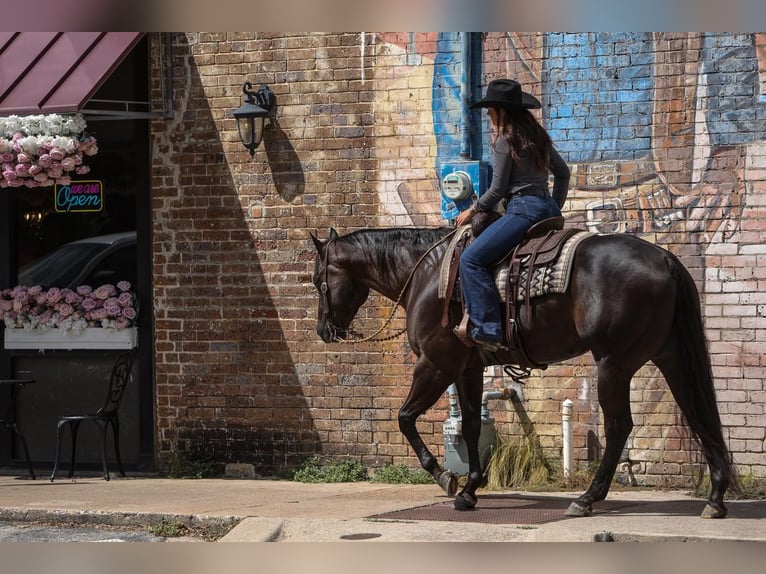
[(251, 113)]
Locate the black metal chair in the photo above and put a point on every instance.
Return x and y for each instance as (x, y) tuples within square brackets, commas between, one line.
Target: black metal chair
[(107, 415)]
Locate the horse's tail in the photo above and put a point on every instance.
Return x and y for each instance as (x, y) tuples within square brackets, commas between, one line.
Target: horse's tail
[(696, 393)]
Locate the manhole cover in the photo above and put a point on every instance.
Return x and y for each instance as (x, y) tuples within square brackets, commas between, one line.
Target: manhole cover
[(361, 536)]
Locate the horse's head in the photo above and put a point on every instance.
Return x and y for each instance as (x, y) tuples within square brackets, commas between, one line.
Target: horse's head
[(340, 291)]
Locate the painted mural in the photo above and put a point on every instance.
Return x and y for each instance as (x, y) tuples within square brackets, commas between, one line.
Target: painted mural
[(665, 134)]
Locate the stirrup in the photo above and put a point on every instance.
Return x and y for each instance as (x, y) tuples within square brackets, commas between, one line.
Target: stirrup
[(461, 332)]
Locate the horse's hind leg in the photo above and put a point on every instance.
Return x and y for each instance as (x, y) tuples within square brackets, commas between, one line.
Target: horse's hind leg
[(428, 384), (614, 399), (707, 428)]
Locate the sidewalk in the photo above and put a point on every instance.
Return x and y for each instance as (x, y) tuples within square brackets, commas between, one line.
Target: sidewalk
[(284, 511)]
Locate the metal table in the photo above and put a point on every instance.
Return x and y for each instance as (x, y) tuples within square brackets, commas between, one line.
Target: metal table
[(9, 420)]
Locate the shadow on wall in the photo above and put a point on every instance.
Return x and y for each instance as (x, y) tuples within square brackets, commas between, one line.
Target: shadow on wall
[(286, 168), (227, 385)]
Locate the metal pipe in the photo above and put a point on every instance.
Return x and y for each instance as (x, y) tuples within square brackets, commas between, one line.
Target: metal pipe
[(566, 431), (487, 396), (465, 97), (453, 405)]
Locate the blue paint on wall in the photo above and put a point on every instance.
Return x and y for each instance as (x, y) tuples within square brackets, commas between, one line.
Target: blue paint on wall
[(446, 96), (447, 110), (734, 112), (597, 94)]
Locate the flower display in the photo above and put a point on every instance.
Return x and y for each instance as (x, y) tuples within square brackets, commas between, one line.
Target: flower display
[(41, 150), (32, 307)]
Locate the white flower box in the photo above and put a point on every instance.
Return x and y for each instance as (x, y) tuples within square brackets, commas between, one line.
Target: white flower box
[(90, 338)]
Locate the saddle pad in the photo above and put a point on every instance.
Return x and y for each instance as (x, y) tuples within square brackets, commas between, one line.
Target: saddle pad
[(547, 279)]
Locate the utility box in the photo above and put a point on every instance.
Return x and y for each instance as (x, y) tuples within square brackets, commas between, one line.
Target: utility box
[(455, 451), (462, 182)]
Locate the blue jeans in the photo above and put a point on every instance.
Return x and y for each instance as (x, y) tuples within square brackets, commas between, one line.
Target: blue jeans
[(479, 291)]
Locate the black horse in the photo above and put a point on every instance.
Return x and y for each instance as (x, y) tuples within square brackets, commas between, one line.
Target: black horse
[(628, 302)]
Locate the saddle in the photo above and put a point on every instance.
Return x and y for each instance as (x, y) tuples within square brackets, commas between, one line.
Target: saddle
[(529, 270)]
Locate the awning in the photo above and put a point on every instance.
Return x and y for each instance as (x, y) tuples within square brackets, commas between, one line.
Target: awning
[(57, 72)]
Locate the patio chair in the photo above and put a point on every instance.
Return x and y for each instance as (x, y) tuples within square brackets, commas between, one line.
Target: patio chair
[(106, 416)]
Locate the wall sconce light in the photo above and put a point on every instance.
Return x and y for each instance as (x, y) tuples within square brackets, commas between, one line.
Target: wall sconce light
[(251, 114)]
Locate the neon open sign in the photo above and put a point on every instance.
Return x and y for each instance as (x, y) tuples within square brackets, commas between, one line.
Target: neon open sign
[(79, 197)]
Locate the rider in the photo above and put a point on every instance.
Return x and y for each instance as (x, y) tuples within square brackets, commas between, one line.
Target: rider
[(523, 156)]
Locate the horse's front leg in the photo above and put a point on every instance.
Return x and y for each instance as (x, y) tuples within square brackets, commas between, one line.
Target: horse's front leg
[(469, 389), (428, 384)]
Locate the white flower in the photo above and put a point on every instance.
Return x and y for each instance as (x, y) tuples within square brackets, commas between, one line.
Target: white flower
[(30, 144), (45, 124)]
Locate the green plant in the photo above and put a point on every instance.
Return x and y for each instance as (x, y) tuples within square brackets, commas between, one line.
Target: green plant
[(184, 466), (401, 474), (313, 470), (753, 488), (167, 529), (518, 463)]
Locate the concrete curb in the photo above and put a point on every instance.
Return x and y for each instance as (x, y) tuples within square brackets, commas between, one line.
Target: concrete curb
[(255, 529)]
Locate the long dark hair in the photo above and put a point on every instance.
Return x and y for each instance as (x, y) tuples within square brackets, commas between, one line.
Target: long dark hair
[(525, 136)]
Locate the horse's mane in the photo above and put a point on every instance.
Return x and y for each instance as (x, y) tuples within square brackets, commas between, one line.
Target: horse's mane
[(385, 247)]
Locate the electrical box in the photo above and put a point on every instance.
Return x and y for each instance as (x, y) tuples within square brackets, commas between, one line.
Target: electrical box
[(462, 182), (455, 451)]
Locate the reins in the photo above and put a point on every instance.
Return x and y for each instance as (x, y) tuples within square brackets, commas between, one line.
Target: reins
[(326, 300)]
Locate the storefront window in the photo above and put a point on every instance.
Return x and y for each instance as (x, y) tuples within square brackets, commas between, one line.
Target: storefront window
[(46, 225)]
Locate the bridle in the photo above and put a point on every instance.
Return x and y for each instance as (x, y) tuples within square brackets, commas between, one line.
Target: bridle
[(324, 290)]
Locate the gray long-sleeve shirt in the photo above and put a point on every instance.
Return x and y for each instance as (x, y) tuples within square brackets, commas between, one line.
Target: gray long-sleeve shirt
[(509, 177)]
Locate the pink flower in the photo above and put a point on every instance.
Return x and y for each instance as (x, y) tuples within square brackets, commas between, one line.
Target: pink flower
[(53, 295), (64, 309), (84, 290), (129, 313), (22, 169), (123, 286), (104, 292), (68, 164), (88, 304), (7, 157), (82, 170), (64, 180), (98, 314), (23, 158), (125, 300), (34, 169), (44, 160), (71, 297), (57, 154)]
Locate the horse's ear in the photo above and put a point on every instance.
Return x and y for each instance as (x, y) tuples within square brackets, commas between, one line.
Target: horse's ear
[(317, 243), (333, 233)]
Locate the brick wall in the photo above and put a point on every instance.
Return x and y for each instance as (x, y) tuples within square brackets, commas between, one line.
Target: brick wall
[(660, 145)]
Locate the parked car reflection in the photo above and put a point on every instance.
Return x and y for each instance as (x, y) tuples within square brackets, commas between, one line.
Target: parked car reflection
[(90, 261)]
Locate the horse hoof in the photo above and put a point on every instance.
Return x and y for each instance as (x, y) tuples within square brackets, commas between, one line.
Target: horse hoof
[(577, 510), (716, 511), (464, 501), (448, 482)]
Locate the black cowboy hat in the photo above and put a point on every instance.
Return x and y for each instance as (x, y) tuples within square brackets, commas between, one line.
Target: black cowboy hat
[(506, 94)]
